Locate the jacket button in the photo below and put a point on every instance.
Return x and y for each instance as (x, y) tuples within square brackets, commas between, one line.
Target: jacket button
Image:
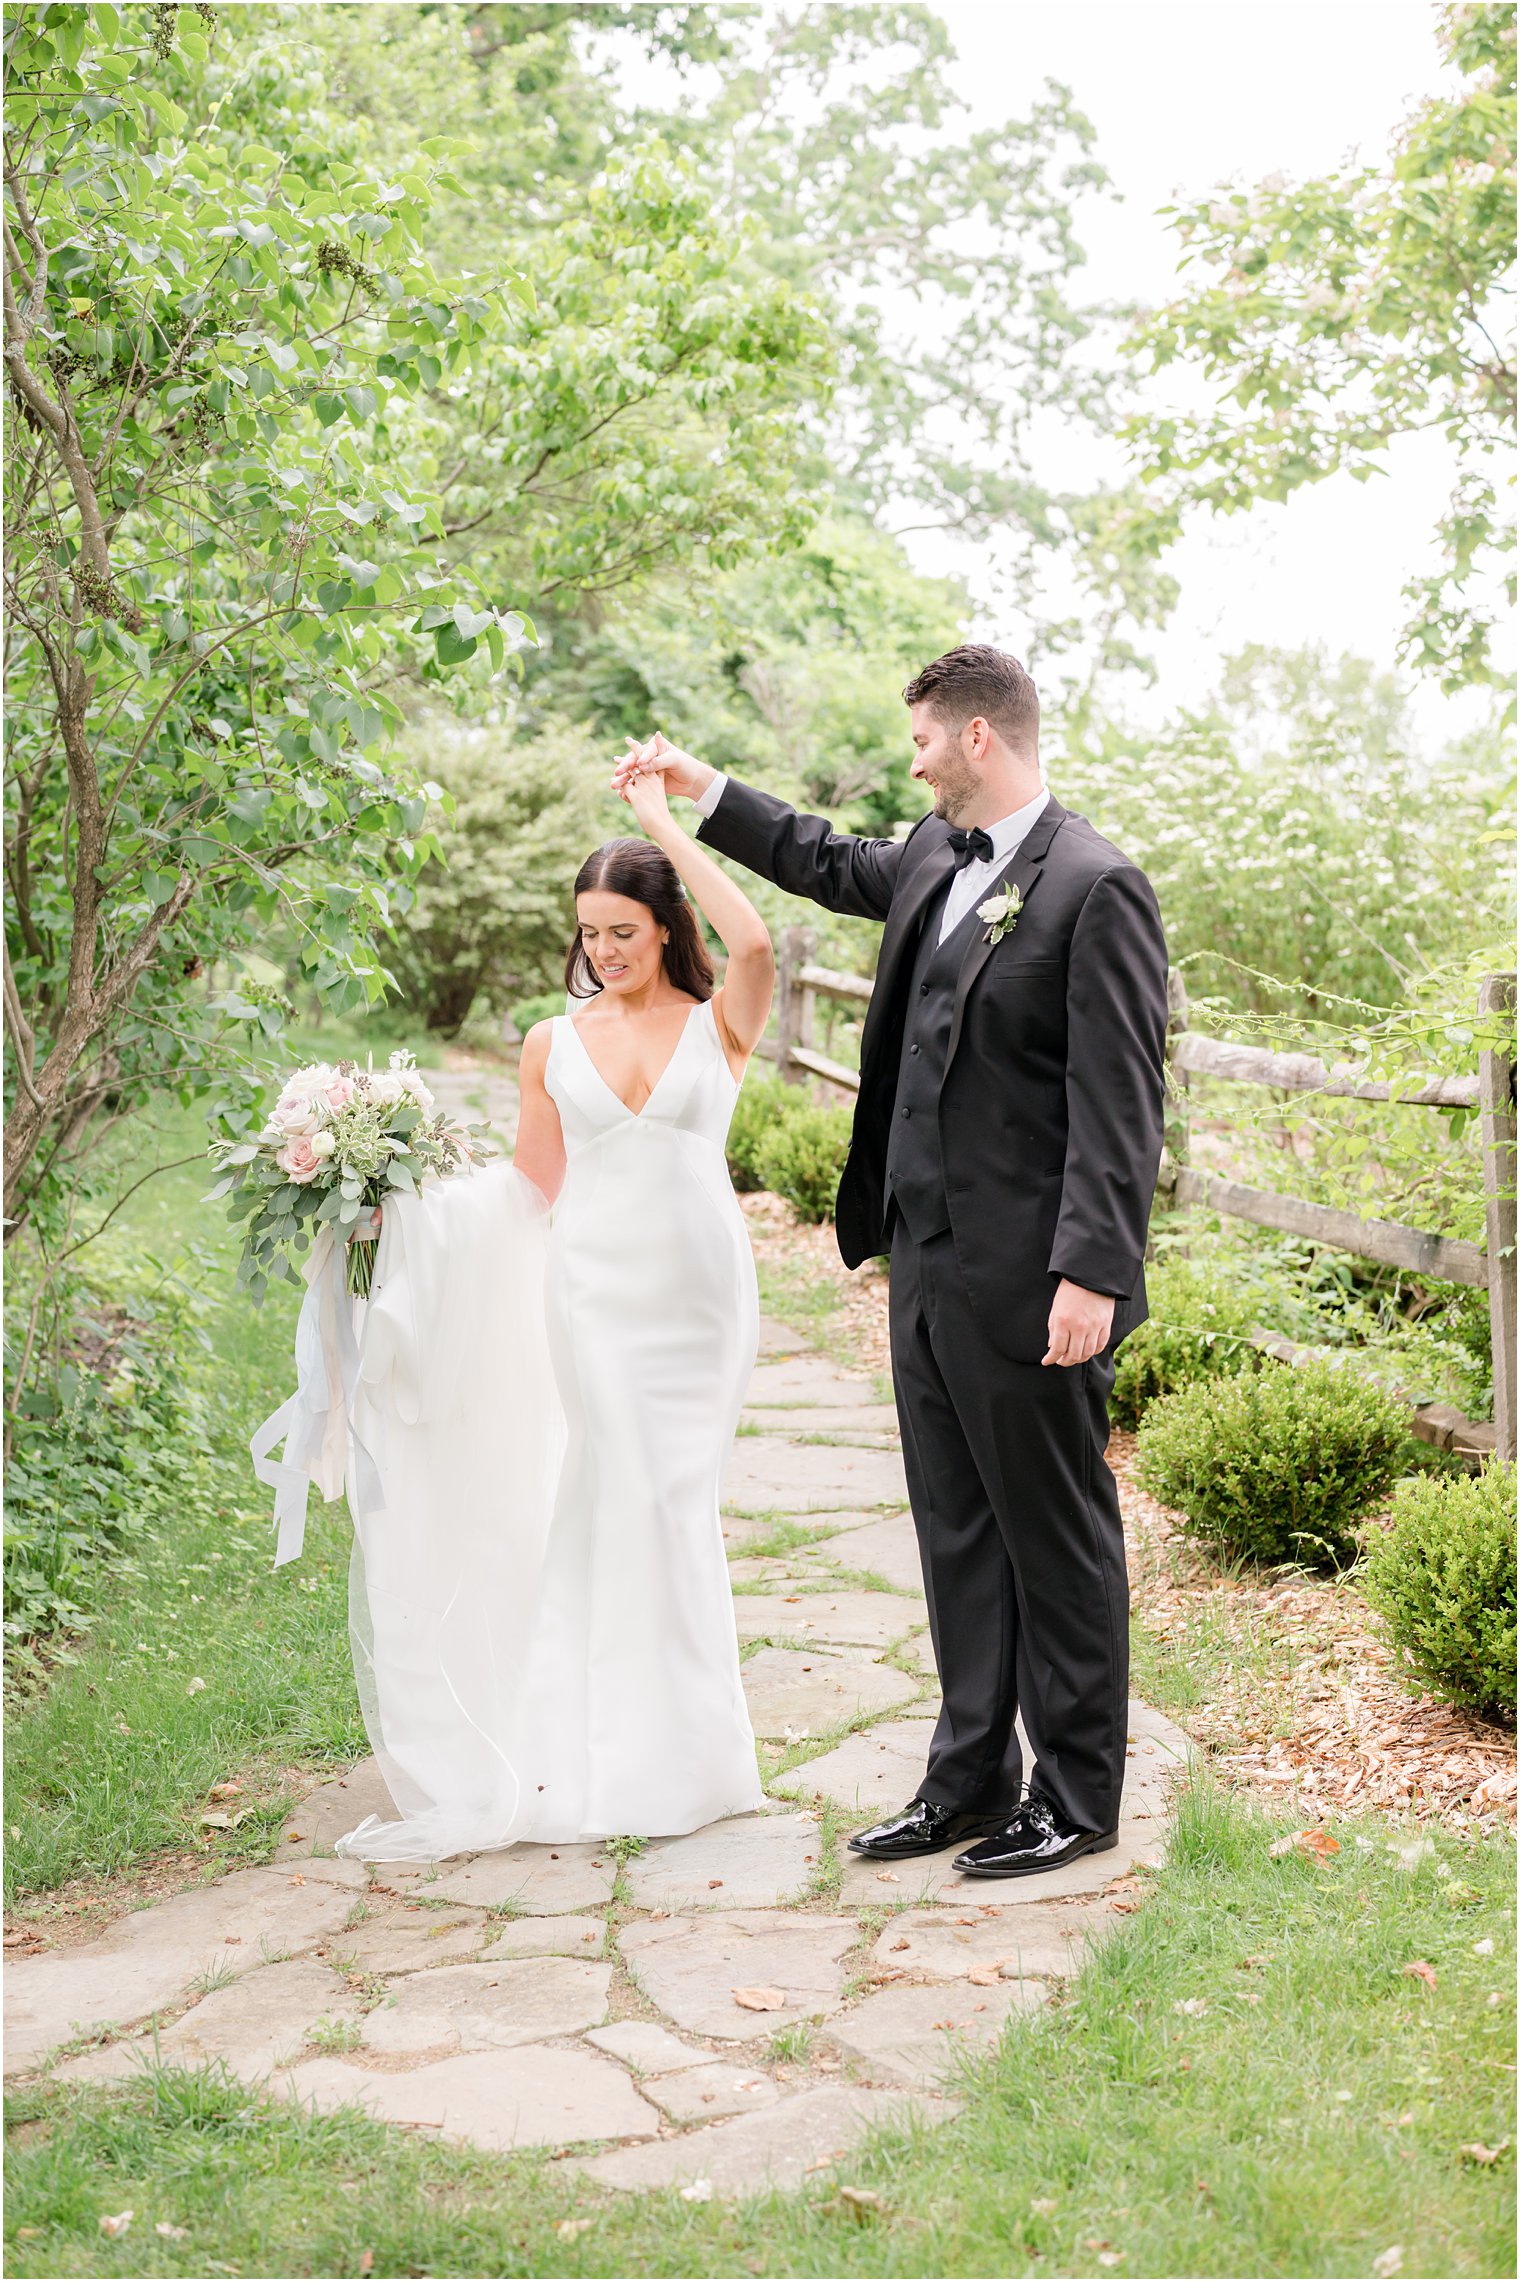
[(907, 1113), (912, 1049), (923, 990)]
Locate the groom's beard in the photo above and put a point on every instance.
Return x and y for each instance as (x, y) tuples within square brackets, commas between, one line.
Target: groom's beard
[(954, 790)]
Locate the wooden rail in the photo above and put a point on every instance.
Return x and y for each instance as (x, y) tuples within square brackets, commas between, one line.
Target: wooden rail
[(1489, 1266), (1388, 1241), (1301, 1073)]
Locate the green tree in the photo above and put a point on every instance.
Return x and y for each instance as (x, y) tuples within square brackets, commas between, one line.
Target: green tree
[(493, 913), (215, 541), (789, 669), (949, 261), (945, 260), (1312, 863), (1334, 315), (254, 446)]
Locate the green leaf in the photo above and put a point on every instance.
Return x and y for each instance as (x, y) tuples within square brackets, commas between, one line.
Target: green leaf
[(451, 649)]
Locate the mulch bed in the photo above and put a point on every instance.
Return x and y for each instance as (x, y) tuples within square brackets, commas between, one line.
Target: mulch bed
[(1361, 1740)]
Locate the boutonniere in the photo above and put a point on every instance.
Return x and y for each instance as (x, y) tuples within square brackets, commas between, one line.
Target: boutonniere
[(1001, 912)]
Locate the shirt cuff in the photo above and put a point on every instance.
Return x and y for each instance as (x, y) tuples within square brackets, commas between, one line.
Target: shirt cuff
[(708, 799)]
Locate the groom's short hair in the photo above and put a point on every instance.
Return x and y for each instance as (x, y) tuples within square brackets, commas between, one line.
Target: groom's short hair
[(976, 679)]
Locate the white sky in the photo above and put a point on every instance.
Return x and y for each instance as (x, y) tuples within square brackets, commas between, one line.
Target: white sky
[(1185, 94)]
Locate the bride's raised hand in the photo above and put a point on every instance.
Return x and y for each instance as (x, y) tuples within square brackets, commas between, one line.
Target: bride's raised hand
[(640, 757), (644, 791)]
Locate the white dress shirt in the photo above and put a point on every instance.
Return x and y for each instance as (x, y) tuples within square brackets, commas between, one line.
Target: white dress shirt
[(967, 886)]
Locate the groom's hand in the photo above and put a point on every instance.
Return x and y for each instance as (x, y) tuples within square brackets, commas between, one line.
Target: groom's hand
[(682, 772), (1080, 1322)]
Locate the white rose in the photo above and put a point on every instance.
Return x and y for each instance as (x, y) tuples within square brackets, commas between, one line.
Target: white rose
[(303, 1083), (294, 1120), (323, 1144)]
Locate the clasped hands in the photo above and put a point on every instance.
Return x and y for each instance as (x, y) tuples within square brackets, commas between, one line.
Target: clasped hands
[(661, 766)]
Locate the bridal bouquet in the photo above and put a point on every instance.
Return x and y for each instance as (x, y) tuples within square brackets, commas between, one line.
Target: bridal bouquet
[(337, 1142)]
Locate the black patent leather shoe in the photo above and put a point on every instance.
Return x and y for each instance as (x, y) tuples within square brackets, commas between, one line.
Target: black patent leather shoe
[(921, 1828), (1037, 1836)]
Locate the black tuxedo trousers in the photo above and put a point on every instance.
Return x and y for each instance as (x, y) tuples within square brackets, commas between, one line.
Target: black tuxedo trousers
[(1022, 1548)]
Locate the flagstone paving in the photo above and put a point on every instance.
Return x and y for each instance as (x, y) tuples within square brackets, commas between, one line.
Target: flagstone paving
[(719, 2011), (798, 2136), (888, 1546), (748, 1862), (260, 2022), (794, 1690), (693, 1969), (473, 2007), (767, 1473), (910, 2036), (539, 1881), (849, 1619)]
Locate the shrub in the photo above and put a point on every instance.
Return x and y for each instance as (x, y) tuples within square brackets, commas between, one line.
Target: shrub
[(103, 1451), (764, 1098), (1199, 1328), (1278, 1464), (527, 1011), (1442, 1576), (801, 1154)]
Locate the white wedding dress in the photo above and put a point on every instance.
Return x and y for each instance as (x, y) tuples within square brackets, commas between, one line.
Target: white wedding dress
[(539, 1406)]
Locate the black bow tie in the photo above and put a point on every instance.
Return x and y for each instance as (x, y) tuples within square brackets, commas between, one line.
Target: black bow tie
[(968, 845)]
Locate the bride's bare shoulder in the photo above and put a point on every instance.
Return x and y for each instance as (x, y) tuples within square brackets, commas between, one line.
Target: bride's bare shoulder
[(534, 1054)]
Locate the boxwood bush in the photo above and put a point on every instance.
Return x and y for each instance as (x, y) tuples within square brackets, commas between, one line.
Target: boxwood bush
[(1442, 1576), (539, 1008), (1276, 1464), (763, 1099), (1199, 1328), (801, 1154)]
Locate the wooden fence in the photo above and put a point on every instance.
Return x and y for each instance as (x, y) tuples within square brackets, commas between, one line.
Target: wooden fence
[(1490, 1265)]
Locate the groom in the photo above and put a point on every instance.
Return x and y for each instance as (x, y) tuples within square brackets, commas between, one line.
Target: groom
[(1006, 1142)]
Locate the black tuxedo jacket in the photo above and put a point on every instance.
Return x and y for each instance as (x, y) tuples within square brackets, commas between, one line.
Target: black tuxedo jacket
[(1050, 1112)]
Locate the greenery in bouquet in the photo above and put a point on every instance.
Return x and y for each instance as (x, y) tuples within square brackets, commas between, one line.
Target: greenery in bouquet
[(338, 1141)]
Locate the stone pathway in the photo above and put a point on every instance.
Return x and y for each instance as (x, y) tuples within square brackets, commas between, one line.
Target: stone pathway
[(716, 2012)]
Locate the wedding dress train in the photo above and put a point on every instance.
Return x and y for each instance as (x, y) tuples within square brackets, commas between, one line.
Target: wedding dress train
[(542, 1626)]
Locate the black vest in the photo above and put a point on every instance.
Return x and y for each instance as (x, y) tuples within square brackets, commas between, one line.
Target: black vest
[(915, 1167)]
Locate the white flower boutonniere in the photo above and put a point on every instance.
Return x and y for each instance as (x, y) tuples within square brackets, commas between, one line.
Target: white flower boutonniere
[(1001, 912)]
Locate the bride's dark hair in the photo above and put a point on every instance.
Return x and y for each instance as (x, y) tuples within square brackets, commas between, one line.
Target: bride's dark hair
[(646, 875)]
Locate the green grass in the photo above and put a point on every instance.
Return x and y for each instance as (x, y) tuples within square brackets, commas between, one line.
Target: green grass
[(1304, 2134), (1228, 1648), (111, 1762)]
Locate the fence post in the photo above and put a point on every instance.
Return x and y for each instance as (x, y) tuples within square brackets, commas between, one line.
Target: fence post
[(1496, 1080), (1175, 1103), (794, 1005)]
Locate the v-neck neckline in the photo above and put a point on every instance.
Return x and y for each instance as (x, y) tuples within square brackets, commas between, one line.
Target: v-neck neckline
[(611, 1093)]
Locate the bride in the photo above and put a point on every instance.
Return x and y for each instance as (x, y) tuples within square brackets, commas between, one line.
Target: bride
[(551, 1366)]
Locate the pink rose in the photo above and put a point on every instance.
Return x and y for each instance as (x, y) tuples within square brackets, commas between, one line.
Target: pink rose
[(298, 1160), (339, 1092)]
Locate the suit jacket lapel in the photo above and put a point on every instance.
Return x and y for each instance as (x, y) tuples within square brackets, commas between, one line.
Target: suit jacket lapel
[(899, 936), (1023, 869)]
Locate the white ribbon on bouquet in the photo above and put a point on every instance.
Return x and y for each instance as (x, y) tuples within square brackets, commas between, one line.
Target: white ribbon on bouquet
[(316, 1423)]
